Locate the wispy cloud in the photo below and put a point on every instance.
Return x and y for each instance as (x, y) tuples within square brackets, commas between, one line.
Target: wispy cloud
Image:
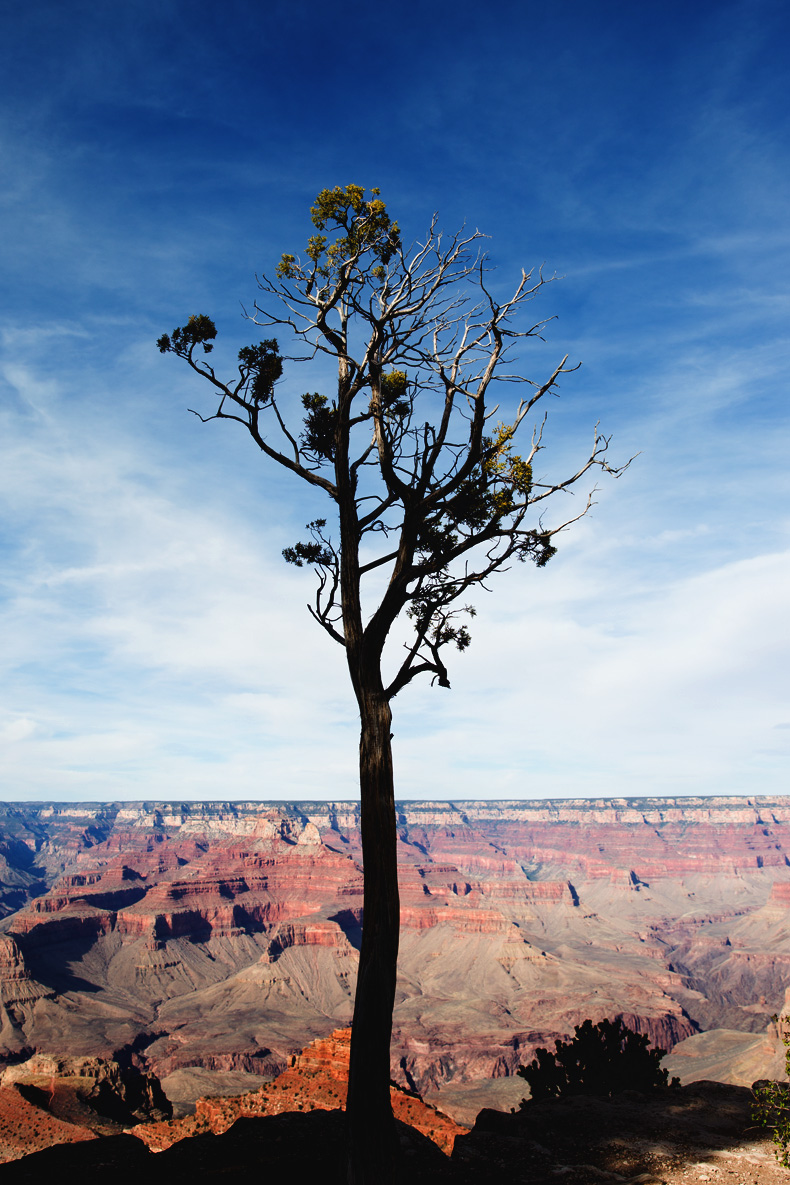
[(154, 644)]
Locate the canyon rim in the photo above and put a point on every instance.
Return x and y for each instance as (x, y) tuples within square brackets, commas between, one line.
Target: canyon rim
[(192, 939)]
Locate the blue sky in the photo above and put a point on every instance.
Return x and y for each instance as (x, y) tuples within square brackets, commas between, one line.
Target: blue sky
[(158, 155)]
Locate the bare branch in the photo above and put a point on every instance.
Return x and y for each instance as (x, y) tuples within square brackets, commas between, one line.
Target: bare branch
[(435, 470)]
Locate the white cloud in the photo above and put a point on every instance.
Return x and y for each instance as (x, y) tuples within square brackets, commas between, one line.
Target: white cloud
[(17, 730), (678, 691), (163, 649), (153, 642)]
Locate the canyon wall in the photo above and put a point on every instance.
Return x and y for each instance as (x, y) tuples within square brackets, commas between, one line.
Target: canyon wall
[(224, 935)]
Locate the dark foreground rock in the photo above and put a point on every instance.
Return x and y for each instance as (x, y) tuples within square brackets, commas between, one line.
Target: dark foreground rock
[(294, 1147), (700, 1133)]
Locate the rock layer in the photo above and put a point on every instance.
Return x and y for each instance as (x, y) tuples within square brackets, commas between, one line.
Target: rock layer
[(225, 935), (316, 1079)]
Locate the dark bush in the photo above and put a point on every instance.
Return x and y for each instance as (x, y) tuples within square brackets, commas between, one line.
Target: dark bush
[(772, 1104), (602, 1059)]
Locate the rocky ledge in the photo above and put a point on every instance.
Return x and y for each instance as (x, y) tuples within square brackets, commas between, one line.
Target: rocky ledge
[(317, 1079), (699, 1133)]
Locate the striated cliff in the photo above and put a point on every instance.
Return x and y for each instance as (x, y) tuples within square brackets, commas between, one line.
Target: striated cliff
[(316, 1079), (224, 935)]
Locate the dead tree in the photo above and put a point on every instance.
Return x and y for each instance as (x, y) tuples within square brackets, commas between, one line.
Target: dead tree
[(428, 499)]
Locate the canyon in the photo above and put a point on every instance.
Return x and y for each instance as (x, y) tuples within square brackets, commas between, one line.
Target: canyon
[(208, 943), (316, 1079)]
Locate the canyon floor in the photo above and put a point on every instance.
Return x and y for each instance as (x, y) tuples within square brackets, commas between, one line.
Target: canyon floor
[(208, 943)]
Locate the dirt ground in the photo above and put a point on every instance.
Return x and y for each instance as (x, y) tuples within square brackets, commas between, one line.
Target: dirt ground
[(700, 1133)]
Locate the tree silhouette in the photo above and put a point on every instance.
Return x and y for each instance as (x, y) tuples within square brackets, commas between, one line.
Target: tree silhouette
[(602, 1059), (427, 500)]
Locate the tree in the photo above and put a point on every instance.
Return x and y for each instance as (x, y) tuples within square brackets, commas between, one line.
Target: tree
[(602, 1059), (428, 499)]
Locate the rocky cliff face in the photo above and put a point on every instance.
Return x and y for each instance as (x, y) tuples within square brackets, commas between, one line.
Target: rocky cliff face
[(225, 935), (48, 1100), (316, 1079)]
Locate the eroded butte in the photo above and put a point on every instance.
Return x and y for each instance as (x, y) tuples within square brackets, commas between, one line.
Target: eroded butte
[(195, 937)]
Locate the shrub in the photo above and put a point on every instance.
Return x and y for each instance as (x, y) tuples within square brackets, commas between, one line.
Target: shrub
[(772, 1108), (601, 1059)]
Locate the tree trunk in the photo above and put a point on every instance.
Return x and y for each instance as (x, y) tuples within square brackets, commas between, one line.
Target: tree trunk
[(373, 1143)]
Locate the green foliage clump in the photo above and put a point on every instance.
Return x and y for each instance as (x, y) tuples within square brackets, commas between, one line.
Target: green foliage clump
[(365, 227), (317, 551), (394, 387), (318, 438), (259, 366), (199, 330), (602, 1059), (772, 1109), (498, 482), (263, 365)]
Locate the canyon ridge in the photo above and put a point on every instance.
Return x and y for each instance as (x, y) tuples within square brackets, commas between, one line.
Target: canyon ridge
[(209, 942)]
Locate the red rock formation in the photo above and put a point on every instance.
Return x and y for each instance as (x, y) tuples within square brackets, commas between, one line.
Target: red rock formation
[(465, 920), (317, 1079), (46, 1101), (19, 993), (290, 934), (16, 984), (140, 894), (26, 1127), (780, 894)]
